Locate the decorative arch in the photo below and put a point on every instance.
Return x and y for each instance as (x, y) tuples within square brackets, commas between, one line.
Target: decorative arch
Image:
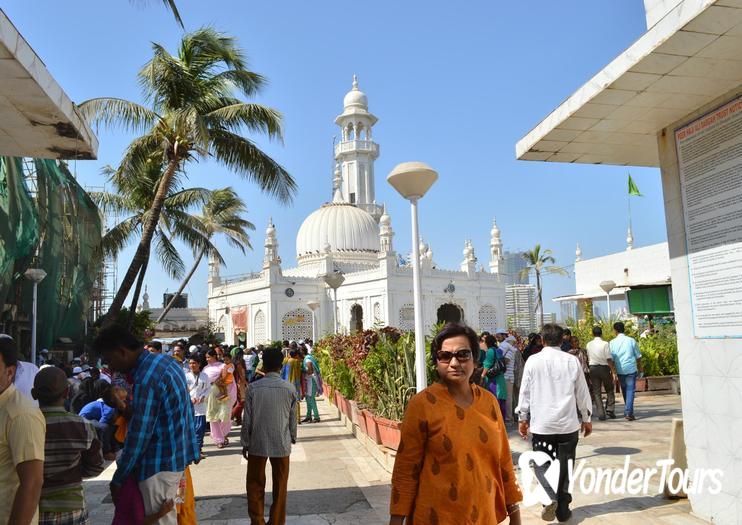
[(450, 313), (377, 314), (487, 318), (407, 317), (356, 318), (297, 324), (259, 328)]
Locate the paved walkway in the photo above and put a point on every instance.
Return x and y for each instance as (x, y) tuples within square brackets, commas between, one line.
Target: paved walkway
[(334, 480)]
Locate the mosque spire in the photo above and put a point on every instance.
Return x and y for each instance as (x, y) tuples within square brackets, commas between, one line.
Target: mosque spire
[(271, 256), (496, 258)]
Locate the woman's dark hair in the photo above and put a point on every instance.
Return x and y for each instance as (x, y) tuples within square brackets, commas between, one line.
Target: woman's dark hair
[(212, 353), (452, 330), (489, 340), (552, 334)]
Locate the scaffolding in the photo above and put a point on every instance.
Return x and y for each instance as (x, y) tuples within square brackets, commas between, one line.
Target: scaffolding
[(106, 280)]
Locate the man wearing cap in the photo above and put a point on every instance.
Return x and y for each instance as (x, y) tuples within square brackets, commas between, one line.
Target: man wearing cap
[(21, 445), (508, 353), (72, 453)]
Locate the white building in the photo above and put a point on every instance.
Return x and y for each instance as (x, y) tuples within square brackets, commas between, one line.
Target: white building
[(520, 307), (673, 100), (641, 277), (352, 235)]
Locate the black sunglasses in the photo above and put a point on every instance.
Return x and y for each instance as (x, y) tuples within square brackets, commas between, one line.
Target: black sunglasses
[(444, 356)]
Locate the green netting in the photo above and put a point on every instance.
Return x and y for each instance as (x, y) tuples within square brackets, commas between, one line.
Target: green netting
[(65, 225), (19, 227), (70, 238)]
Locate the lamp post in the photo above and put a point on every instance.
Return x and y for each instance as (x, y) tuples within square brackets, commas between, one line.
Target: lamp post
[(334, 280), (412, 180), (35, 275), (607, 286), (313, 305)]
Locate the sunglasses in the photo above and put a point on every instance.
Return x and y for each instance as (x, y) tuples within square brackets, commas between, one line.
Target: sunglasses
[(444, 356)]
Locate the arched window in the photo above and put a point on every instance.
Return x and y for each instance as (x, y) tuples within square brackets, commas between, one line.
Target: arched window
[(259, 328), (407, 318), (297, 324), (487, 318), (356, 318)]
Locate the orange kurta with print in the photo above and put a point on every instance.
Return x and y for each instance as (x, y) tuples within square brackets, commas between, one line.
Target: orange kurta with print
[(453, 464)]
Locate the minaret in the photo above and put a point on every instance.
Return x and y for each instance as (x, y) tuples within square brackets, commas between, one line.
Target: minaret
[(271, 257), (496, 260), (356, 151), (630, 239), (386, 234), (145, 299), (214, 278), (469, 264), (578, 253)]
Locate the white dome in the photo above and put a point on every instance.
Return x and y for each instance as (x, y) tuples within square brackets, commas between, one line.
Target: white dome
[(355, 97), (341, 225)]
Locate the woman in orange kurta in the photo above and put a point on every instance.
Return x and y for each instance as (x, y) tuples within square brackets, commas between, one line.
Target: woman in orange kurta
[(453, 464)]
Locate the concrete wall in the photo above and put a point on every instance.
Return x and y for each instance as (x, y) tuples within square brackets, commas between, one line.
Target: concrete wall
[(655, 10), (710, 369)]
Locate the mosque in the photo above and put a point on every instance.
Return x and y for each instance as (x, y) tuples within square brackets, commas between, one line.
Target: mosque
[(348, 244)]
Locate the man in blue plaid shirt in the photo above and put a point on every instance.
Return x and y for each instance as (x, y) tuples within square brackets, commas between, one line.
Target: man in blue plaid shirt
[(161, 438)]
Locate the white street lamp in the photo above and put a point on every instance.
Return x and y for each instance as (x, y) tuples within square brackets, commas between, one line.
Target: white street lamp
[(35, 275), (334, 280), (313, 305), (412, 180), (607, 286)]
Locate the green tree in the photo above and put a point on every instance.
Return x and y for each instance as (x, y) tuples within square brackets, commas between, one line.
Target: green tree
[(193, 114), (221, 214), (537, 261), (130, 199)]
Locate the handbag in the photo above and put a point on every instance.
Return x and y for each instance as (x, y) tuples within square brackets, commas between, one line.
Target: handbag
[(498, 368)]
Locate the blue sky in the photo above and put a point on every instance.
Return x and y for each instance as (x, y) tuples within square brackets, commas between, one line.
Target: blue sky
[(455, 85)]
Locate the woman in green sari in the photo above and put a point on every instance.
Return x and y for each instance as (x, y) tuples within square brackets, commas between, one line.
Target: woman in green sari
[(312, 385), (496, 386)]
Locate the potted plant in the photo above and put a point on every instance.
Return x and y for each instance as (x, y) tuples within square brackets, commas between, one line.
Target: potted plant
[(372, 428), (389, 430)]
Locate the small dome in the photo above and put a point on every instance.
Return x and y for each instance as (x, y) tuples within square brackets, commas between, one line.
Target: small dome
[(343, 226), (355, 97)]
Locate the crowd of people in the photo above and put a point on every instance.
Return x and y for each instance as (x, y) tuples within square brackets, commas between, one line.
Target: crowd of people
[(148, 408)]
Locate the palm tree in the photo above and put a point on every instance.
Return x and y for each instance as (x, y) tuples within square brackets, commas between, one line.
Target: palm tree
[(170, 4), (131, 198), (536, 260), (221, 214), (194, 115)]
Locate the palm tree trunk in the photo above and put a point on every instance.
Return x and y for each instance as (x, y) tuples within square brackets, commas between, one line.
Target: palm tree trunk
[(182, 286), (142, 253), (137, 291), (540, 299)]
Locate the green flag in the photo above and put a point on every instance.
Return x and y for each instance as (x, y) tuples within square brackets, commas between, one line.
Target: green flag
[(633, 190)]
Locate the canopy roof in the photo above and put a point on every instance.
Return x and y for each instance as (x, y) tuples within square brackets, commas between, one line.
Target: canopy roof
[(688, 58), (37, 119)]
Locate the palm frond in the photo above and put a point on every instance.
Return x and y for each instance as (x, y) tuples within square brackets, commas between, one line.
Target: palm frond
[(248, 82), (246, 159), (187, 198), (112, 112), (169, 4), (111, 202), (118, 237), (168, 256), (254, 117)]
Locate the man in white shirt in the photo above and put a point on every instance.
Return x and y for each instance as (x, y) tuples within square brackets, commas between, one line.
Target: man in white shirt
[(553, 384), (602, 373), (508, 354)]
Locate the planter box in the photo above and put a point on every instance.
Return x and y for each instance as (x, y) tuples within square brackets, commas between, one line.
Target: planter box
[(663, 383), (354, 412), (389, 432), (372, 429), (360, 420), (326, 390)]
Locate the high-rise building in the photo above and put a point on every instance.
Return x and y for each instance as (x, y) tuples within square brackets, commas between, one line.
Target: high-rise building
[(513, 263), (520, 307)]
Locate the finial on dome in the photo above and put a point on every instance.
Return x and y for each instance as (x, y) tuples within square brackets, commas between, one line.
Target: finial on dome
[(355, 82)]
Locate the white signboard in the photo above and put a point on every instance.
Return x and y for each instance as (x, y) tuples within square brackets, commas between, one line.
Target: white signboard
[(710, 162)]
